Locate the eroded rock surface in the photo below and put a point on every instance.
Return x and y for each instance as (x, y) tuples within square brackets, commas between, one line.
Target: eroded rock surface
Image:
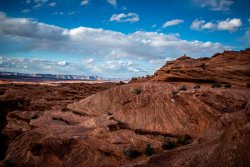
[(230, 67), (214, 117), (112, 125)]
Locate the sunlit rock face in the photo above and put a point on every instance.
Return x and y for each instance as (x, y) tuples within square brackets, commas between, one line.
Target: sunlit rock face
[(230, 67)]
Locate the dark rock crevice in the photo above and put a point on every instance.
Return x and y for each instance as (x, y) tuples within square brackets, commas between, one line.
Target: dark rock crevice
[(7, 106)]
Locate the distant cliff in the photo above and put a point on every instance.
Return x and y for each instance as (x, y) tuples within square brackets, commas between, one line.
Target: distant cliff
[(15, 75)]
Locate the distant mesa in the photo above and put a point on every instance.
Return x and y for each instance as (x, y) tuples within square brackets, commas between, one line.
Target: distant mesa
[(15, 75)]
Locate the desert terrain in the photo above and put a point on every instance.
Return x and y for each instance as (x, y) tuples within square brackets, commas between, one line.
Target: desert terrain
[(191, 112)]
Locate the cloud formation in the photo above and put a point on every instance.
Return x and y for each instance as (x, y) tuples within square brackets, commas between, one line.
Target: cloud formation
[(109, 66), (112, 2), (140, 48), (172, 23), (52, 4), (85, 2), (247, 36), (122, 17), (230, 25), (38, 3), (216, 5), (25, 11), (227, 25), (14, 64)]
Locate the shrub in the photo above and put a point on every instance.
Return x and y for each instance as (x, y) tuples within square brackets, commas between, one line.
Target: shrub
[(121, 83), (35, 117), (131, 153), (113, 127), (109, 113), (173, 93), (248, 84), (137, 91), (168, 145), (120, 123), (197, 87), (227, 86), (216, 85), (183, 88), (186, 139), (227, 109), (149, 150)]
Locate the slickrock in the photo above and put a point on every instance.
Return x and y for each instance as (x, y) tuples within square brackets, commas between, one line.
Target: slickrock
[(192, 112), (230, 67)]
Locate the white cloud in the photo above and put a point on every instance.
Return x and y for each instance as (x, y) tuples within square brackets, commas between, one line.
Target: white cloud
[(202, 24), (208, 25), (52, 4), (37, 6), (39, 3), (248, 20), (112, 2), (57, 13), (2, 15), (85, 2), (130, 17), (27, 35), (119, 65), (46, 67), (228, 25), (28, 1), (215, 5), (25, 11), (71, 13), (124, 8), (91, 41), (154, 25), (197, 24), (159, 61), (26, 65), (88, 60), (63, 63), (172, 23), (247, 37)]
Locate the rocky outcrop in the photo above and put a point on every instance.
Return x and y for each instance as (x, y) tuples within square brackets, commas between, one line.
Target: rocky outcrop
[(31, 116), (228, 67), (214, 117), (97, 130), (183, 122)]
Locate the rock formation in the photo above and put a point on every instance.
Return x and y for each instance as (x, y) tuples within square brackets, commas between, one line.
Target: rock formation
[(228, 67), (178, 113)]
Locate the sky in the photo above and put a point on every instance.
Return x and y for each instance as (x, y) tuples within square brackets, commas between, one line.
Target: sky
[(116, 38)]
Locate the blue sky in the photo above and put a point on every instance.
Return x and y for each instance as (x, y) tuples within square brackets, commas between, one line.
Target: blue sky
[(116, 38)]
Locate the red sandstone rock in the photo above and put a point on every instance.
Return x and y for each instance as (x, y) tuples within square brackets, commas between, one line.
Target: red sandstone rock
[(230, 67), (87, 125)]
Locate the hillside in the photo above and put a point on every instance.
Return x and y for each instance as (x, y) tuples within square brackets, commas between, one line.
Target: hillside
[(228, 67), (192, 112)]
